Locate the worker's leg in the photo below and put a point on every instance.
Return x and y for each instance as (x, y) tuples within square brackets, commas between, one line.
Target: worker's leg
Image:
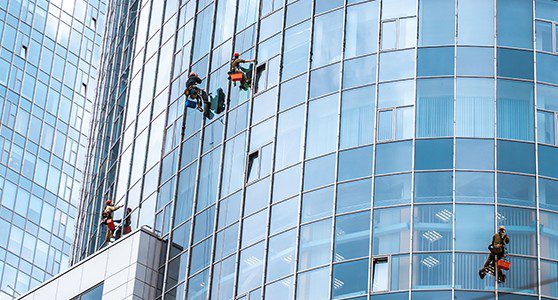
[(108, 236), (488, 261)]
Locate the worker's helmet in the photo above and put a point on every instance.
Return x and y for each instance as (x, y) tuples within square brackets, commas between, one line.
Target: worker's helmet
[(193, 74), (236, 54), (502, 228), (108, 202)]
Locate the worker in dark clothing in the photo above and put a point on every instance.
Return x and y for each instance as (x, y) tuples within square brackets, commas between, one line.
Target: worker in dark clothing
[(194, 92), (108, 219), (497, 251), (235, 68)]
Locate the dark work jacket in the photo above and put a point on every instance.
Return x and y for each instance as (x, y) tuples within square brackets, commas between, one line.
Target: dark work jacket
[(193, 80), (498, 242)]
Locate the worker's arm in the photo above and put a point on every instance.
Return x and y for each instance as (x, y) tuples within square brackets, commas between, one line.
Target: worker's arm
[(506, 239), (198, 80)]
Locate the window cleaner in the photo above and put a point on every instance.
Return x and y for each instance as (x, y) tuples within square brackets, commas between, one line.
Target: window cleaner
[(497, 259), (109, 220), (239, 74), (212, 105)]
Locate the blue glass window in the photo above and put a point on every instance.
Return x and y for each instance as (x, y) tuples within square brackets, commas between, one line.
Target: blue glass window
[(319, 172), (435, 61), (475, 107), (516, 157), (391, 233), (328, 33), (317, 204), (516, 189), (251, 268), (433, 270), (324, 81), (357, 117), (280, 256), (282, 216), (315, 244), (549, 238), (467, 237), (434, 107), (546, 127), (546, 68), (475, 61), (393, 157), (515, 63), (252, 230), (397, 65), (286, 183), (436, 22), (352, 236), (296, 48), (293, 92), (399, 93), (354, 275), (355, 195), (432, 226), (548, 194), (548, 161), (475, 22), (359, 71), (544, 36), (474, 154), (394, 189), (434, 154), (313, 284), (547, 97), (515, 23), (515, 110), (521, 227), (355, 163), (290, 132), (547, 9), (396, 9), (474, 187), (433, 187), (361, 33)]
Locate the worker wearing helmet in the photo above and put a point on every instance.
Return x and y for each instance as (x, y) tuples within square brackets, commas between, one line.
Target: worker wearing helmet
[(108, 218), (497, 251), (192, 91), (235, 66)]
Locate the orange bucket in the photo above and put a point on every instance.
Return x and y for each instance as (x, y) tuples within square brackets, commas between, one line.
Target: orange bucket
[(236, 76), (110, 224), (503, 265)]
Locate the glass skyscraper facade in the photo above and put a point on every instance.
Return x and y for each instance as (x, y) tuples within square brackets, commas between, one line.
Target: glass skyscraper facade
[(379, 148), (48, 67)]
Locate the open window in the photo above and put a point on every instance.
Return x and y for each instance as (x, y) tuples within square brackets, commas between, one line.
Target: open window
[(380, 274), (93, 23), (83, 89), (23, 51), (253, 168), (261, 78)]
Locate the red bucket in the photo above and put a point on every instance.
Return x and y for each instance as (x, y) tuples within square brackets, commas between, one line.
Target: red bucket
[(236, 76), (503, 265)]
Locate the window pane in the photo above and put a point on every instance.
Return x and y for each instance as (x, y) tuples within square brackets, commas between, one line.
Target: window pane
[(359, 71), (355, 195), (322, 126), (317, 204), (251, 268), (546, 68), (397, 93), (391, 190), (435, 61), (310, 285), (434, 107), (515, 23), (385, 125), (475, 22), (361, 33), (223, 279), (548, 161), (526, 271), (324, 81), (547, 97), (279, 290), (432, 271), (524, 239), (436, 22), (467, 237), (315, 244), (391, 230), (286, 183), (397, 65), (389, 35), (475, 107), (474, 187), (296, 48), (516, 189), (328, 32), (398, 8), (549, 271), (282, 216), (404, 123), (380, 281), (515, 110), (434, 154), (475, 61), (252, 229), (433, 187), (432, 225), (548, 194), (516, 157), (352, 236), (549, 238), (393, 157), (544, 36), (350, 279), (547, 9), (292, 92), (289, 137), (466, 275), (319, 172), (546, 127), (355, 163), (357, 117), (515, 63), (475, 154), (280, 259), (407, 34)]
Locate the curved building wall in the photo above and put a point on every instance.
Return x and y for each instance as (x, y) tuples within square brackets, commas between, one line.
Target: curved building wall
[(380, 147)]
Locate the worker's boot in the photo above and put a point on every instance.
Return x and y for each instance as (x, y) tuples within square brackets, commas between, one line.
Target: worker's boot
[(482, 273)]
